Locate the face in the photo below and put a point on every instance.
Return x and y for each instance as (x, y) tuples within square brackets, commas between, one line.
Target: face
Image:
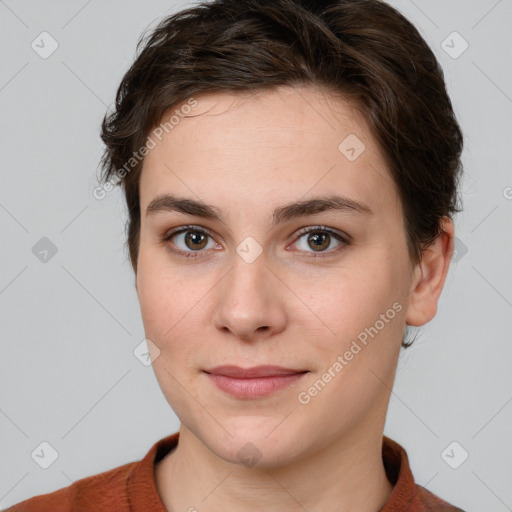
[(299, 260)]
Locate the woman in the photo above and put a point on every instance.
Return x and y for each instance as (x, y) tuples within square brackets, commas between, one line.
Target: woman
[(290, 172)]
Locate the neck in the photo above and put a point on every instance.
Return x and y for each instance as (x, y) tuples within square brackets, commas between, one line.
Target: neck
[(347, 474)]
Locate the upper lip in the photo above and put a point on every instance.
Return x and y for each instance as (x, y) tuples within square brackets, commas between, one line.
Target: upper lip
[(252, 373)]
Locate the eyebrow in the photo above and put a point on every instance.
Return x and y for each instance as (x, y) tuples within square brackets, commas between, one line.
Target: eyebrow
[(168, 203)]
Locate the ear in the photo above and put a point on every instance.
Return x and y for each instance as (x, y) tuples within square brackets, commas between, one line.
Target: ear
[(429, 276)]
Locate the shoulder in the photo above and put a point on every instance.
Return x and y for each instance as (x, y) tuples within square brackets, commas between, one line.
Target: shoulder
[(407, 495), (432, 503), (102, 492), (122, 489)]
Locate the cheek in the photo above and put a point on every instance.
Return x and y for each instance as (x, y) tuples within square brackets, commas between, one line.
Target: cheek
[(363, 315), (163, 298), (346, 301), (167, 308), (172, 308), (356, 364)]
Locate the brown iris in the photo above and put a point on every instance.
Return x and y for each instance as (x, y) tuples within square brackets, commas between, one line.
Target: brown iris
[(320, 240), (197, 240)]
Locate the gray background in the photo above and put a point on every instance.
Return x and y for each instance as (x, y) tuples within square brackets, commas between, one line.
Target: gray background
[(69, 325)]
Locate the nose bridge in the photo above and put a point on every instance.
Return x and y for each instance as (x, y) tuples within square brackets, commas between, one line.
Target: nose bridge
[(247, 280), (247, 301), (248, 265)]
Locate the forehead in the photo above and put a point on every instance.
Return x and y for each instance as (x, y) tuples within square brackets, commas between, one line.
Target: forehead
[(284, 143), (285, 115)]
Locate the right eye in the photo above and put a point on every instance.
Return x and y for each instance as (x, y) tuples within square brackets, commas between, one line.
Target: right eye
[(189, 240)]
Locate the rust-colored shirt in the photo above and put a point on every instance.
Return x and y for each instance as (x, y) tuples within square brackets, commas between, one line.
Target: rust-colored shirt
[(132, 488)]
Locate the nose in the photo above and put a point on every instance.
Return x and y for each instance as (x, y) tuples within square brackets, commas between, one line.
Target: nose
[(250, 301)]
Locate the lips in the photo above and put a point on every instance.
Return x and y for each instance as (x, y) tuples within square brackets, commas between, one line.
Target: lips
[(255, 382), (255, 372)]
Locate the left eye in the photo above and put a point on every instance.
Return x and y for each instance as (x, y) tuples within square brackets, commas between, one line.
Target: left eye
[(319, 240)]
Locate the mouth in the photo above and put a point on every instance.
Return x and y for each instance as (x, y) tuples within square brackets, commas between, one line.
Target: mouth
[(254, 382)]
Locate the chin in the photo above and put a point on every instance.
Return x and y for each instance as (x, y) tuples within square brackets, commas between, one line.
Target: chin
[(256, 445)]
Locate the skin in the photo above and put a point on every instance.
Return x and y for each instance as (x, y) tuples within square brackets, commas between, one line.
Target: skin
[(248, 155)]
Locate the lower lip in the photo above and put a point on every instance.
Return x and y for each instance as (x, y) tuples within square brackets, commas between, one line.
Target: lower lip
[(254, 388)]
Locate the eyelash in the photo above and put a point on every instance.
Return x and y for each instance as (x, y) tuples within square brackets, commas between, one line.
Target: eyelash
[(344, 239)]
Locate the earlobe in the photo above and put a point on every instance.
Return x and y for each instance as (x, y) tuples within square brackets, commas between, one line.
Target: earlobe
[(429, 277)]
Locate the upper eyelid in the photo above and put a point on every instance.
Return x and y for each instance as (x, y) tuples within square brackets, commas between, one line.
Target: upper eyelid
[(181, 229), (304, 231)]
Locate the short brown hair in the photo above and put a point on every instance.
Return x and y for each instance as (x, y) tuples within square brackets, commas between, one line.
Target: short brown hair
[(363, 49)]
